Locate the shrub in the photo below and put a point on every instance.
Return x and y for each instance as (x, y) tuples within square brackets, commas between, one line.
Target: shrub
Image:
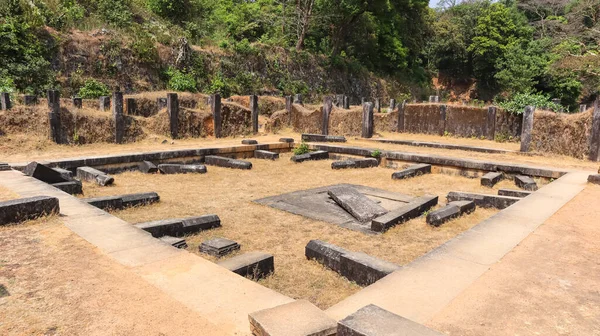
[(376, 153), (93, 89), (143, 47), (171, 9), (517, 103), (115, 12), (301, 149), (219, 84), (180, 81)]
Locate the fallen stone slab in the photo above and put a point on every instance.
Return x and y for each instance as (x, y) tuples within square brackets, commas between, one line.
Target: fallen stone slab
[(490, 179), (249, 142), (44, 173), (170, 168), (372, 320), (301, 158), (594, 178), (174, 241), (66, 174), (287, 140), (255, 265), (525, 182), (450, 211), (221, 161), (358, 205), (409, 211), (122, 201), (131, 200), (414, 170), (514, 193), (148, 167), (264, 154), (300, 318), (483, 200), (316, 155), (219, 247), (92, 174), (322, 138), (364, 269), (180, 226), (355, 163), (105, 202), (4, 166), (71, 187), (325, 253), (23, 209)]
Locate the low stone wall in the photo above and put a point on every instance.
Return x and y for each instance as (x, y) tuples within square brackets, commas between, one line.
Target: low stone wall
[(422, 118), (565, 134), (466, 121)]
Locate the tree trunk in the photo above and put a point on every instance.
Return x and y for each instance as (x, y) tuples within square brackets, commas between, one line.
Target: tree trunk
[(307, 11)]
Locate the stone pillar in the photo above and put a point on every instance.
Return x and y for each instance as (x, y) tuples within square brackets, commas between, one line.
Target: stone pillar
[(117, 111), (254, 112), (77, 102), (367, 121), (5, 101), (490, 124), (401, 110), (582, 108), (30, 100), (377, 105), (442, 124), (288, 108), (527, 128), (434, 99), (104, 103), (393, 104), (298, 99), (346, 102), (339, 100), (54, 116), (161, 102), (595, 136), (131, 106), (215, 107), (327, 106), (362, 101), (173, 111)]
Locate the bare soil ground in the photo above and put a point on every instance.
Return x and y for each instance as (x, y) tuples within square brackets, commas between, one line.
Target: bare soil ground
[(229, 193), (548, 285), (52, 282)]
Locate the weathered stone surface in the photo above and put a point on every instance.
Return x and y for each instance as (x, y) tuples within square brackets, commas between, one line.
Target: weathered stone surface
[(131, 106), (364, 269), (173, 112), (595, 179), (411, 171), (92, 174), (221, 161), (434, 99), (326, 111), (54, 120), (71, 187), (77, 102), (215, 106), (323, 138), (66, 174), (372, 320), (297, 318), (525, 182), (490, 124), (346, 102), (490, 179), (117, 112), (174, 241), (450, 211), (288, 108), (594, 154), (131, 200), (409, 211), (298, 99), (367, 121), (104, 103), (4, 166), (355, 163), (527, 128), (316, 155), (22, 209), (483, 200), (264, 154), (148, 167), (249, 142), (401, 111), (288, 140), (161, 103), (325, 253), (301, 157), (105, 202), (256, 265), (514, 193), (219, 247), (5, 103), (30, 100), (44, 173), (171, 168), (254, 112), (358, 205), (179, 227)]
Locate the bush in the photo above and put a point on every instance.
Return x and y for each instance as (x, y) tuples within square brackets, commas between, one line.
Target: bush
[(170, 9), (180, 81), (220, 85), (301, 149), (93, 89), (517, 103), (143, 47), (115, 11)]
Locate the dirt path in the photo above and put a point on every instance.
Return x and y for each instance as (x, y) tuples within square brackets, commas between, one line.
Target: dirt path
[(54, 283), (548, 285)]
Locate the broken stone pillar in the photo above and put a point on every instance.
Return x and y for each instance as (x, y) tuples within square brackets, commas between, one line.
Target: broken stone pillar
[(29, 100), (54, 116), (582, 108), (595, 137), (117, 111), (434, 99), (131, 106), (367, 121), (77, 102), (401, 110), (298, 99), (215, 107), (161, 103), (490, 125), (5, 101), (346, 102), (288, 108), (327, 106), (104, 103), (173, 111), (442, 124), (254, 112), (527, 128), (377, 105), (392, 104)]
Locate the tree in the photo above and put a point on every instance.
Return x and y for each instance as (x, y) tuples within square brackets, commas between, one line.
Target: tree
[(304, 9)]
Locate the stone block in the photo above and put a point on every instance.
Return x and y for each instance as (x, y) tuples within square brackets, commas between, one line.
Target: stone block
[(161, 103), (221, 161), (301, 158), (355, 163), (297, 318), (44, 173), (171, 168), (255, 265), (346, 102), (22, 209), (4, 166), (525, 182), (298, 99), (411, 171), (117, 112), (319, 155), (326, 111), (594, 152), (179, 227), (131, 200), (105, 202), (249, 142), (367, 121), (92, 174), (364, 269), (514, 193), (527, 128), (358, 205), (322, 138), (254, 112), (54, 120), (264, 154), (450, 211), (409, 211), (215, 107), (104, 103), (287, 140), (325, 253), (401, 113), (71, 187), (5, 103), (173, 112), (219, 247), (594, 178), (179, 243), (30, 100), (434, 99), (372, 320), (148, 167), (483, 200), (66, 174), (490, 179), (131, 105)]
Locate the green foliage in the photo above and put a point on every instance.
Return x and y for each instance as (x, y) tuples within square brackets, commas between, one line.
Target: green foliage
[(219, 84), (143, 47), (523, 64), (517, 103), (301, 149), (115, 12), (69, 14), (376, 153), (93, 89), (175, 10), (180, 81)]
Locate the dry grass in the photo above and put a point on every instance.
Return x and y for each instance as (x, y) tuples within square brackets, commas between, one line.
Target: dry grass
[(229, 194)]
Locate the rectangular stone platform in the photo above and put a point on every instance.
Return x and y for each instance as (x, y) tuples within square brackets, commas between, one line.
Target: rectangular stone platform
[(483, 200), (221, 161), (355, 163), (514, 193), (409, 211), (171, 168), (180, 226), (490, 179), (359, 206), (23, 209), (131, 200), (266, 155), (255, 265), (298, 318), (92, 174)]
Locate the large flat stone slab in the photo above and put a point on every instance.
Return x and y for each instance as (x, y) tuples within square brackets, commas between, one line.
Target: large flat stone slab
[(221, 161), (365, 269), (148, 167), (514, 193), (359, 206), (122, 201), (219, 247), (411, 171), (325, 253), (450, 211), (44, 173), (95, 175), (23, 209), (255, 265), (316, 155), (322, 138), (171, 168), (298, 318), (483, 200), (355, 163), (409, 211), (179, 227), (265, 155)]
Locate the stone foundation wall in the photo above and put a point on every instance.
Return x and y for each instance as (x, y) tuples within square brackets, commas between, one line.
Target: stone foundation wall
[(565, 134), (422, 118), (466, 121)]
